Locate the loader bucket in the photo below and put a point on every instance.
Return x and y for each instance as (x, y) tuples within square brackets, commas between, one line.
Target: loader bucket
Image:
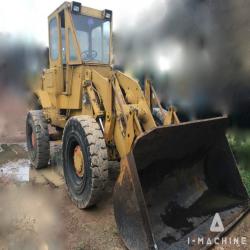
[(173, 182)]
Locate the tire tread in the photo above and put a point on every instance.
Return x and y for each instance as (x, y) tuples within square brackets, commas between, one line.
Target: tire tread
[(98, 157), (42, 138)]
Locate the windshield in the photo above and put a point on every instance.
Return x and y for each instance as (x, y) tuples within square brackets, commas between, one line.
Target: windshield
[(93, 35)]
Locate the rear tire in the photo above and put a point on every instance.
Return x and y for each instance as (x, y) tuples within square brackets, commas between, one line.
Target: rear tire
[(34, 103), (86, 184), (37, 136)]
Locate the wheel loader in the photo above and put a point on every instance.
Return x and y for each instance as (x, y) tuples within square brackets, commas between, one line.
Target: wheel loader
[(174, 176)]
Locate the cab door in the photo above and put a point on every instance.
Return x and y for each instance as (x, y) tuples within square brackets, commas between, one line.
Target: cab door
[(55, 72)]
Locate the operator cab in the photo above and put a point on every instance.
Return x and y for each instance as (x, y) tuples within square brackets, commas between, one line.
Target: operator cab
[(79, 35)]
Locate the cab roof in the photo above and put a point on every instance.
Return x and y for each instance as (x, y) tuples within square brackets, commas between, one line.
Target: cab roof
[(84, 10)]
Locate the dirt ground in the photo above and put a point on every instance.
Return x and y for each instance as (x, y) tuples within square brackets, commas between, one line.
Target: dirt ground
[(38, 214)]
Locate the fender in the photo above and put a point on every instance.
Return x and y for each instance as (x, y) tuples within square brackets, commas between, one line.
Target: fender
[(43, 98)]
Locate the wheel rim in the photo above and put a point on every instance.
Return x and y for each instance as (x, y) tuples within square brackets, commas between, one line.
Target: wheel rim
[(78, 160), (33, 140)]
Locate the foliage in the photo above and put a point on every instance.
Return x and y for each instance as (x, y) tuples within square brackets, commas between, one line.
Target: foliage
[(239, 141)]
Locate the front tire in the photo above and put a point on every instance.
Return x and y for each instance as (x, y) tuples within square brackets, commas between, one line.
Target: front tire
[(85, 160)]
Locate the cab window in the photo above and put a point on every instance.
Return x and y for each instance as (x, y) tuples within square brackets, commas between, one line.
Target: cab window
[(53, 34), (93, 35)]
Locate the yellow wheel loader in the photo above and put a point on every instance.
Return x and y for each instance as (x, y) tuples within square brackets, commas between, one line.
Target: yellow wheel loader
[(173, 176)]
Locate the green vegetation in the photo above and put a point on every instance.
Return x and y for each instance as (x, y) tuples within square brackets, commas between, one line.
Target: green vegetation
[(239, 141), (245, 174)]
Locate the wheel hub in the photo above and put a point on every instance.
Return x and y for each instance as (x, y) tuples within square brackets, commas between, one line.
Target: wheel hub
[(78, 161)]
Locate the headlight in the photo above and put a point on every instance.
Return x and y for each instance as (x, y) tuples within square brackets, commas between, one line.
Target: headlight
[(108, 14), (76, 7)]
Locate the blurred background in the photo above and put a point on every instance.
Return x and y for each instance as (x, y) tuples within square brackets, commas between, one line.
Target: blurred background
[(196, 52)]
